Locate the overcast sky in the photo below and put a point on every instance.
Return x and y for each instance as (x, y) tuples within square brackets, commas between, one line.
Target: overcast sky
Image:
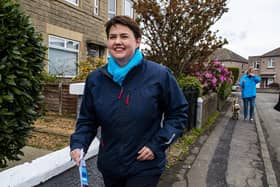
[(252, 27)]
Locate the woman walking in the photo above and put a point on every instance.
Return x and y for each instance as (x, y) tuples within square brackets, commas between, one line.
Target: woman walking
[(248, 84), (139, 106)]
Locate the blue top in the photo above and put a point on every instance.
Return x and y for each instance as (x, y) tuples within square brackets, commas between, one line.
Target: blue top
[(248, 85)]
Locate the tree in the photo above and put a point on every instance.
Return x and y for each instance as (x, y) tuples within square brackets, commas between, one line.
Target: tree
[(176, 33), (21, 65)]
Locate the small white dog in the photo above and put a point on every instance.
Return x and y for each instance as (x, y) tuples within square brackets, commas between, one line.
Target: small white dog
[(235, 110)]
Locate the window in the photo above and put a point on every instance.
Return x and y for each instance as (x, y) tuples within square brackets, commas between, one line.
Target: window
[(95, 50), (63, 56), (270, 63), (111, 8), (96, 7), (74, 2), (256, 65), (270, 81), (128, 8)]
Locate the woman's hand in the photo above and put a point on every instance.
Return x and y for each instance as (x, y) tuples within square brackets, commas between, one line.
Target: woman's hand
[(145, 154), (76, 155)]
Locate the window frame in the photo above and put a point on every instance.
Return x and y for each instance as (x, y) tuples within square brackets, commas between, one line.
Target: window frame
[(73, 3), (256, 65), (270, 63), (131, 8), (99, 50), (270, 80), (112, 12), (64, 48), (96, 7)]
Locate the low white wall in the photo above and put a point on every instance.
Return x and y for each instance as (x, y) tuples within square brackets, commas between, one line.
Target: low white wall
[(42, 168)]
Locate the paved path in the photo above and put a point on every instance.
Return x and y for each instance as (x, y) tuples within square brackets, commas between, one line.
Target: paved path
[(230, 157), (30, 153)]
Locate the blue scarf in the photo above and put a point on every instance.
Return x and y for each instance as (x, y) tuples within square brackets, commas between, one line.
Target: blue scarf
[(119, 72)]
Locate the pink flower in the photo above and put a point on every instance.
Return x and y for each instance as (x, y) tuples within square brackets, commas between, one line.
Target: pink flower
[(222, 78), (225, 70), (216, 62), (208, 75), (214, 75), (214, 81)]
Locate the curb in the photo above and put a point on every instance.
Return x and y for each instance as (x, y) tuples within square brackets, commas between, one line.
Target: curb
[(270, 175), (42, 168)]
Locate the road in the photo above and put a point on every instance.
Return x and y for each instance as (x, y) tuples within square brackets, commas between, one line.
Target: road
[(270, 121), (71, 177)]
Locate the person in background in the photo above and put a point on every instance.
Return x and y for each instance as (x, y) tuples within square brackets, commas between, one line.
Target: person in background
[(139, 106), (248, 85), (277, 106)]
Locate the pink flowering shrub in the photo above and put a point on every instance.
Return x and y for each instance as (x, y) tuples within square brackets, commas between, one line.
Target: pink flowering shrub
[(214, 75)]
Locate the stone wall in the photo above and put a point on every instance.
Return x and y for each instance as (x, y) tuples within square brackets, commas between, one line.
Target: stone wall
[(209, 107)]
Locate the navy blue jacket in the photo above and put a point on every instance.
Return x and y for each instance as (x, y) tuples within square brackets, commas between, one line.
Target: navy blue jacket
[(131, 116)]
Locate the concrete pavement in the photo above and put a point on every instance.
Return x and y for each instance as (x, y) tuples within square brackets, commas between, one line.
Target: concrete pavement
[(234, 154), (30, 153)]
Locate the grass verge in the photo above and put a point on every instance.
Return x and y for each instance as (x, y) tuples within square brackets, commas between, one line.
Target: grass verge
[(181, 147)]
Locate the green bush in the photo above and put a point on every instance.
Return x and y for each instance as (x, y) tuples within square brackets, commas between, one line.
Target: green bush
[(49, 78), (235, 73), (21, 64), (224, 90), (189, 82), (88, 66)]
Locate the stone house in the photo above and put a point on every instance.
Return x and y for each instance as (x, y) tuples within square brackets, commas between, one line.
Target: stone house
[(230, 59), (73, 29), (267, 66)]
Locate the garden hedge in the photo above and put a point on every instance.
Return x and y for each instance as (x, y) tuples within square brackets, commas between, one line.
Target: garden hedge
[(21, 63)]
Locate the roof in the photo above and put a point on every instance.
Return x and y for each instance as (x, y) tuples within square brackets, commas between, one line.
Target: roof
[(273, 53), (223, 54)]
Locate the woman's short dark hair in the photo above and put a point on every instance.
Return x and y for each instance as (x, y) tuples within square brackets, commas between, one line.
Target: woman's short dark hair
[(126, 21)]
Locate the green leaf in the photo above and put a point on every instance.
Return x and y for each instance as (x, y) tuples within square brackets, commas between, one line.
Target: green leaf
[(16, 91), (6, 113), (10, 82), (21, 64), (2, 66), (32, 112), (8, 98)]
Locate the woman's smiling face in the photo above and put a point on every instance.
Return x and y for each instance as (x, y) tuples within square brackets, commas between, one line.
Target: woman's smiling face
[(122, 43)]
